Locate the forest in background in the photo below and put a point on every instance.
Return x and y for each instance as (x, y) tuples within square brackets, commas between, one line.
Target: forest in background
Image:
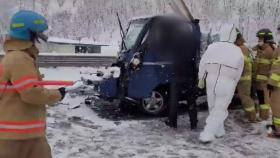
[(96, 19)]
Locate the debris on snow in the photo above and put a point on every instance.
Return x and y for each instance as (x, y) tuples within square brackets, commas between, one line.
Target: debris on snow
[(81, 133)]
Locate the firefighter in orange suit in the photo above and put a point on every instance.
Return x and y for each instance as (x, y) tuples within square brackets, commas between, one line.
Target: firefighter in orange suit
[(245, 83), (265, 55), (22, 102), (274, 87)]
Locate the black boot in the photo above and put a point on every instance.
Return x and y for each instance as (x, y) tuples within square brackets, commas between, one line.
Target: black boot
[(272, 132), (172, 124), (193, 118), (270, 127), (173, 104)]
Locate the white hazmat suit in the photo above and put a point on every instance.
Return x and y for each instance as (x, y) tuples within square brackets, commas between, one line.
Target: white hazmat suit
[(221, 66)]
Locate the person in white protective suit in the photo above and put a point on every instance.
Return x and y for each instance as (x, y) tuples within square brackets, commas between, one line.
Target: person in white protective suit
[(221, 66)]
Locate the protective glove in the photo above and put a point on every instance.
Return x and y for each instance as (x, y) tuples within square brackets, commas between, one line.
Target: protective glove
[(62, 91), (270, 87), (201, 84)]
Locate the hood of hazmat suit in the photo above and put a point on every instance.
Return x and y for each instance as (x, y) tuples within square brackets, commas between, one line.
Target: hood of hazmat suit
[(228, 33)]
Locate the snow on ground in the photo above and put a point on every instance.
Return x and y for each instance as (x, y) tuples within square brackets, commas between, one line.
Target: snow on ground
[(79, 132), (65, 73)]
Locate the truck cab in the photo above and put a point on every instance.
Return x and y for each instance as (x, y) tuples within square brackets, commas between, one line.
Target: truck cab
[(152, 52)]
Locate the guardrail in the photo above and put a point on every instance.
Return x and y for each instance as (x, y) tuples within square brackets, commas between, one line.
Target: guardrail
[(74, 60)]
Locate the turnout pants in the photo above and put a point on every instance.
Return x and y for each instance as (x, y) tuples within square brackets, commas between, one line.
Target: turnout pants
[(31, 148), (264, 101), (244, 93), (275, 107)]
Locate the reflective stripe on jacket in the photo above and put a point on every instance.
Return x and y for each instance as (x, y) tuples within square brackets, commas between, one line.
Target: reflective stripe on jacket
[(263, 63), (23, 126), (274, 78)]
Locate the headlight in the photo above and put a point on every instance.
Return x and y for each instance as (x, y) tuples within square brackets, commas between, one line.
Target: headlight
[(136, 61)]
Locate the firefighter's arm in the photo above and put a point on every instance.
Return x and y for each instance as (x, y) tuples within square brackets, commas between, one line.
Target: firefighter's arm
[(23, 75)]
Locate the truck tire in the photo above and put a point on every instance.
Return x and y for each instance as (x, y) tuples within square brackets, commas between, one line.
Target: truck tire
[(155, 105)]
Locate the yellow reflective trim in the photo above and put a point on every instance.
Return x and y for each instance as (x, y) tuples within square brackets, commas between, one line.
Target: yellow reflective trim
[(275, 77), (262, 77), (250, 109), (263, 33), (17, 25), (263, 61), (276, 62), (265, 106), (247, 59), (246, 78), (39, 22), (276, 120)]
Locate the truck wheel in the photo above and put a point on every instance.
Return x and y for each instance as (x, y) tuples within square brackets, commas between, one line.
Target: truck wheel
[(155, 104)]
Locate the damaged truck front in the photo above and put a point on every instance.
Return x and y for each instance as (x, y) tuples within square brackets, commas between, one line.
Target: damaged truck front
[(153, 50)]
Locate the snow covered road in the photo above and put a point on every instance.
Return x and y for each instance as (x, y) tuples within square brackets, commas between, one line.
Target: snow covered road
[(81, 133)]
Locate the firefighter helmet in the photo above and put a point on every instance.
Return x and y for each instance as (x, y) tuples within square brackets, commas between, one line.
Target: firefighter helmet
[(27, 25), (266, 34)]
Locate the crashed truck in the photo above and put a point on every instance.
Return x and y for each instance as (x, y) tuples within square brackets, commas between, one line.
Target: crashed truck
[(153, 49)]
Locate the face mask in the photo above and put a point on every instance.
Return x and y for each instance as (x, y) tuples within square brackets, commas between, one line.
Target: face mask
[(261, 44)]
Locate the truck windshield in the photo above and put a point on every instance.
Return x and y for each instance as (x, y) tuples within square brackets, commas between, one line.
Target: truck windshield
[(132, 34)]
